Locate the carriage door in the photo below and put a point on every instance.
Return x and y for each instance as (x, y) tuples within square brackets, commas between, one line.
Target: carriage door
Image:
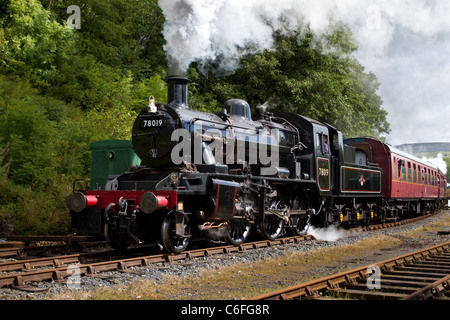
[(323, 152)]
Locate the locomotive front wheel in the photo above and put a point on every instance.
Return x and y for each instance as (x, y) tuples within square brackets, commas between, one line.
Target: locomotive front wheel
[(237, 232), (172, 240)]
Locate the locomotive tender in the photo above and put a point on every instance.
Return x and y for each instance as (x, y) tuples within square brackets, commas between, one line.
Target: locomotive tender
[(222, 175)]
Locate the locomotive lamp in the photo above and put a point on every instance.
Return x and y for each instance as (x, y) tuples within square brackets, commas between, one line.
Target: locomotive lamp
[(151, 105)]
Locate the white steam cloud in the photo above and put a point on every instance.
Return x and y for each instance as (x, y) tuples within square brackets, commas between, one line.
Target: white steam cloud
[(205, 30), (405, 43), (438, 161), (330, 233)]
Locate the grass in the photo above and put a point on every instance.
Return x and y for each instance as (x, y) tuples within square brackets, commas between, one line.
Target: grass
[(430, 229)]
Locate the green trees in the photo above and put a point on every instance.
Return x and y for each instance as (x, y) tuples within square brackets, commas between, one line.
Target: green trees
[(97, 65), (62, 88), (48, 148)]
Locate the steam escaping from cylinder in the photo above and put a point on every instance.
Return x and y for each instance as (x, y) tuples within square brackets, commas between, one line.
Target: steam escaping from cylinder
[(330, 233)]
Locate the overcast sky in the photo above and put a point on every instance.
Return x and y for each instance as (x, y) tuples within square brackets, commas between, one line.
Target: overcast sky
[(408, 47)]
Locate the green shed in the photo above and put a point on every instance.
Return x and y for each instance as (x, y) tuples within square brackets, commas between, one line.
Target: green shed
[(110, 157)]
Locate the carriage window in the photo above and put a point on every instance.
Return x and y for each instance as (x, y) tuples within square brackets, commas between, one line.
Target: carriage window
[(394, 169), (414, 173), (420, 176), (401, 170), (409, 172)]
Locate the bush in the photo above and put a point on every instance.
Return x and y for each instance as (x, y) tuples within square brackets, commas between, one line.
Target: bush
[(48, 148)]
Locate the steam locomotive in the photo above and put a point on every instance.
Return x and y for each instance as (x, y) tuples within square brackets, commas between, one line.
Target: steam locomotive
[(226, 175)]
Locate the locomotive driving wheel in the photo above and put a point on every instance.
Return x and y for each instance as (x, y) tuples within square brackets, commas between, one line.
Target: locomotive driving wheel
[(238, 228), (237, 232), (175, 232), (273, 225), (300, 223)]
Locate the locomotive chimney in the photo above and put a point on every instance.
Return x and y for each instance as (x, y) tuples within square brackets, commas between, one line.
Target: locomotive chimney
[(178, 90)]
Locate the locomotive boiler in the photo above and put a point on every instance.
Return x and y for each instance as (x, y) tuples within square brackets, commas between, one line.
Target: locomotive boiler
[(224, 175)]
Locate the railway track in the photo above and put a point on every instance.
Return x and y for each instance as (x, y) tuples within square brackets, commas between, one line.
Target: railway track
[(22, 246), (58, 268), (15, 247), (421, 275)]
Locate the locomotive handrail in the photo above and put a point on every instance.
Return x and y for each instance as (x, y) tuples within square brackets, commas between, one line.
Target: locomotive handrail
[(152, 133), (221, 123), (76, 180)]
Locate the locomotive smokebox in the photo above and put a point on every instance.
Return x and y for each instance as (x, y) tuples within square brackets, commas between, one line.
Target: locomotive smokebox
[(178, 90)]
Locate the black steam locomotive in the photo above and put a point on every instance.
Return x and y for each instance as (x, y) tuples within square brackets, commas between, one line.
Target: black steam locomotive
[(222, 175)]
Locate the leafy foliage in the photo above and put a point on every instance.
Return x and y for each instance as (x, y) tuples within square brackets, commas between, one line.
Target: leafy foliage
[(4, 166)]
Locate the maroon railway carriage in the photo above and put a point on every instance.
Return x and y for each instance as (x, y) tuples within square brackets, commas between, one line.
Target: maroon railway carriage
[(410, 185)]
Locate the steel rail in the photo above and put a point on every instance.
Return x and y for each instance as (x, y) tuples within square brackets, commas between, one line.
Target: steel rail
[(27, 265), (423, 274), (60, 273)]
